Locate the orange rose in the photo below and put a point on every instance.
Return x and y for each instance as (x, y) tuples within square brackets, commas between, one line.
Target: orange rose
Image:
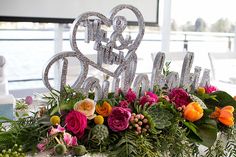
[(87, 107), (104, 109), (193, 112), (224, 115)]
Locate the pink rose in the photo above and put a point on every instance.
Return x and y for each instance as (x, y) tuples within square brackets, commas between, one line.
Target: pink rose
[(70, 140), (210, 89), (130, 96), (179, 97), (149, 98), (76, 122), (118, 120)]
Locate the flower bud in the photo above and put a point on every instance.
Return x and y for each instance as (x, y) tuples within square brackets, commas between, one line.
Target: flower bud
[(193, 112), (140, 123), (141, 116), (145, 120)]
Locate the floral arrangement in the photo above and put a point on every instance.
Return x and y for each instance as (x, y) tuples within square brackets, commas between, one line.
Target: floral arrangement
[(156, 123)]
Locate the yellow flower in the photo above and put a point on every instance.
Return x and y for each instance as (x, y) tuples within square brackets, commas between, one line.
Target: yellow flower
[(104, 109), (99, 119), (87, 107), (193, 112), (55, 120), (201, 90)]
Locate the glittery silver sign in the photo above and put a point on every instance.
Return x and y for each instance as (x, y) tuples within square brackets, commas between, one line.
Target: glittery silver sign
[(120, 51), (115, 49)]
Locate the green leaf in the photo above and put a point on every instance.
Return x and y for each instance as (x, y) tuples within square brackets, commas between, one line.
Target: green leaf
[(204, 131), (222, 99), (193, 132), (63, 106), (4, 119), (207, 131)]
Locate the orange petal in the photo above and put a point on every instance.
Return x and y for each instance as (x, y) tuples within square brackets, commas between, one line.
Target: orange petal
[(229, 108)]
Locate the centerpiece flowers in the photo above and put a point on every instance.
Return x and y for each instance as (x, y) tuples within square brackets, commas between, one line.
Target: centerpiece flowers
[(157, 123)]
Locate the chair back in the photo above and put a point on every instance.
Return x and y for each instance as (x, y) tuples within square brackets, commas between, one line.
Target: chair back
[(223, 66)]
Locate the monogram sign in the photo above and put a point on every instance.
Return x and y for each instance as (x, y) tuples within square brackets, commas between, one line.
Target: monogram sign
[(116, 49)]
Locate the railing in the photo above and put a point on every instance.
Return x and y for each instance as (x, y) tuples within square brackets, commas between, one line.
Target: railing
[(179, 41)]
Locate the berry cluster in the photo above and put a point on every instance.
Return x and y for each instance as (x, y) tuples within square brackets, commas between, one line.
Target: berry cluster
[(140, 123), (16, 151)]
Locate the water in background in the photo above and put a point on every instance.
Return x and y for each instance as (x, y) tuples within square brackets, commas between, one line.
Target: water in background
[(27, 52)]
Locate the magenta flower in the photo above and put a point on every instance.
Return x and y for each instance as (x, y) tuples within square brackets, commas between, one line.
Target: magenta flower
[(210, 89), (119, 118), (149, 98), (76, 122), (29, 100), (130, 96), (70, 140), (123, 104), (179, 97)]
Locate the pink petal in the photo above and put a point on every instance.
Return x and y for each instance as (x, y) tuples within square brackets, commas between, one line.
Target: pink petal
[(74, 141), (67, 138)]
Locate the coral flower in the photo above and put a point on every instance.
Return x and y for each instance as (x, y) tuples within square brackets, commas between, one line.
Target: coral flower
[(193, 112), (87, 107), (104, 109), (224, 115)]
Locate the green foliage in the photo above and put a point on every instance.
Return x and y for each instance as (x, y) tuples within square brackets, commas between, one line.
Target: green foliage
[(21, 105), (166, 69), (203, 132), (160, 116), (222, 99), (126, 147), (15, 151), (63, 101), (174, 142), (27, 131), (146, 148)]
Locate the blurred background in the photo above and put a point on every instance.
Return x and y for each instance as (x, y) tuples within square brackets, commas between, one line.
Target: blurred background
[(205, 27)]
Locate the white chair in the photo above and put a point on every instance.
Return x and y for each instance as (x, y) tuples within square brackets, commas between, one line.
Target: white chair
[(223, 68)]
